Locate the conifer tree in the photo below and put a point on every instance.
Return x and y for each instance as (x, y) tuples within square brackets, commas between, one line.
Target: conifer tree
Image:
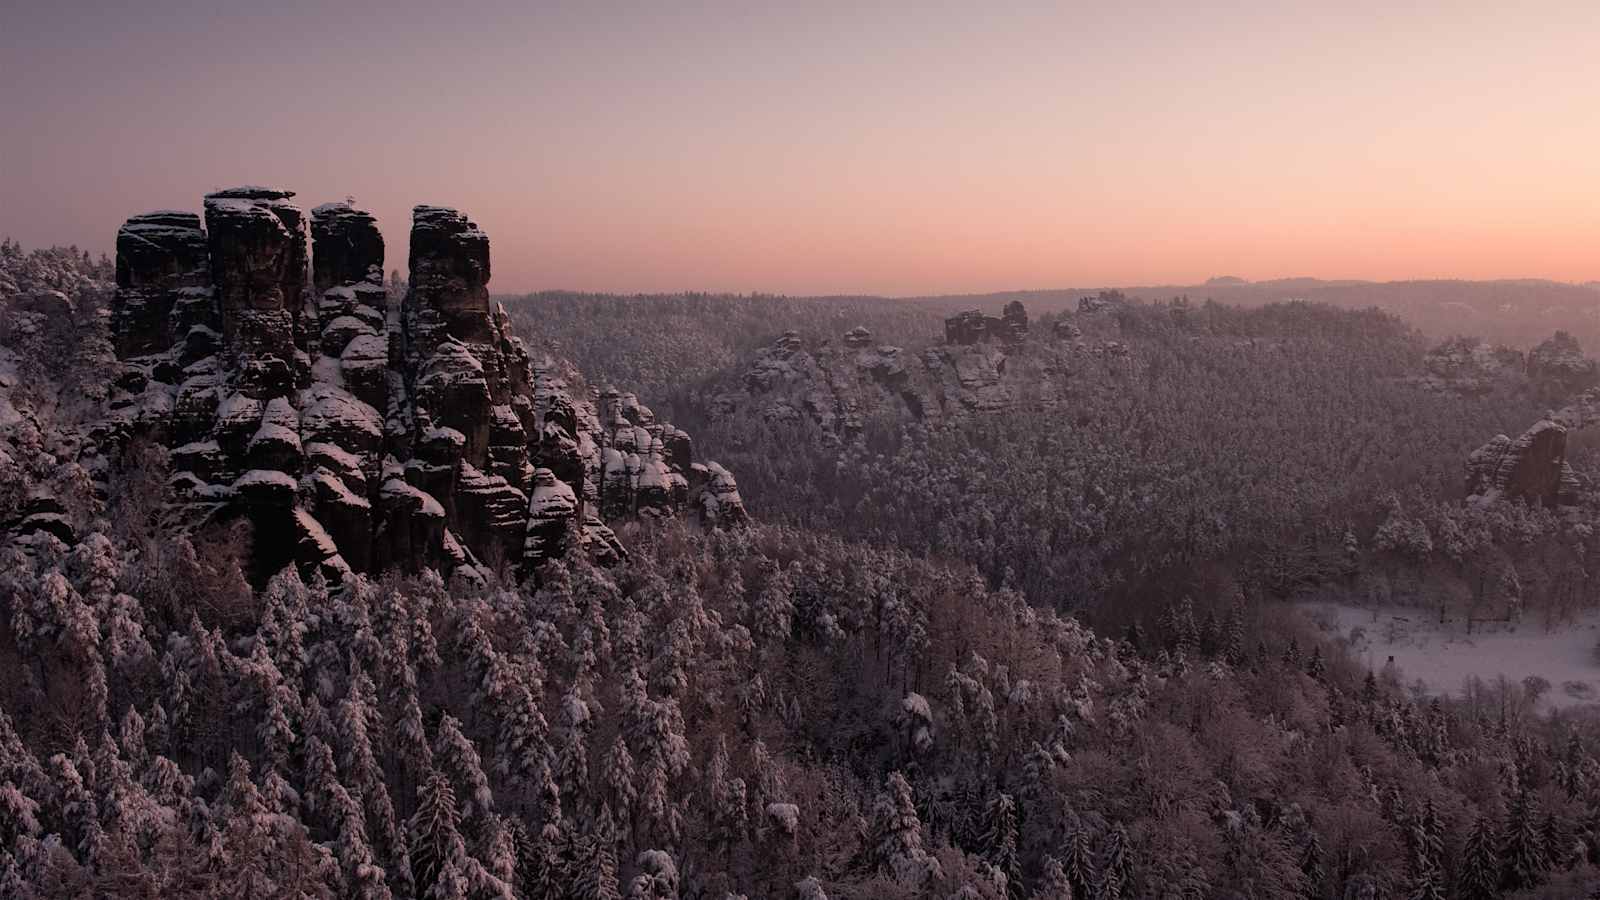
[(1311, 866), (438, 854), (1316, 668), (1116, 866), (999, 840), (1523, 858), (896, 835), (1080, 863), (1479, 876), (1291, 653), (572, 750), (1558, 841), (596, 875), (1053, 883), (458, 756), (728, 801), (1233, 648)]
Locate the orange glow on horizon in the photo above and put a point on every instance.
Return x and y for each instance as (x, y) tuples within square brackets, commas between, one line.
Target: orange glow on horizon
[(835, 150)]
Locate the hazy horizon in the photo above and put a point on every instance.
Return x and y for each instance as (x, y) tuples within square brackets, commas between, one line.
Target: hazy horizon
[(837, 151)]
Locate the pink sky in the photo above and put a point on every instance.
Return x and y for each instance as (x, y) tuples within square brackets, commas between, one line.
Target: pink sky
[(929, 148)]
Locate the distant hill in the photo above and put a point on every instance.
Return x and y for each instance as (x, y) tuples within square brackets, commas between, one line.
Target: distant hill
[(1519, 312)]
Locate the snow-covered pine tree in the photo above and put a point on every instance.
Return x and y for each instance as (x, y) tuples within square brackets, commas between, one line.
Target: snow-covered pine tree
[(572, 746), (595, 870), (1080, 865), (727, 804), (458, 756), (1523, 859), (1479, 875), (622, 781), (438, 853), (1116, 866), (896, 835), (1053, 883), (999, 840), (657, 878)]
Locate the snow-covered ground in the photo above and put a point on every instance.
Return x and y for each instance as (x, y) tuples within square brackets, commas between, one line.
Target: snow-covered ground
[(1444, 656)]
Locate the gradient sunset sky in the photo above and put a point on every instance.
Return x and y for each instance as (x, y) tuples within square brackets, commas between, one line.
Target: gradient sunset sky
[(837, 148)]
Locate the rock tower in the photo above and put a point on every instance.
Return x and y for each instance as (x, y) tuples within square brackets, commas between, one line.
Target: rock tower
[(357, 433)]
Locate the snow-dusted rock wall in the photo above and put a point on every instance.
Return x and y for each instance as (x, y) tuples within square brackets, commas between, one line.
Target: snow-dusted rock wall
[(1533, 467), (355, 436)]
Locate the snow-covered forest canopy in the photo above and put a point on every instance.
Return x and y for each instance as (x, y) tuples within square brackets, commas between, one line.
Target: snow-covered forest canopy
[(1009, 619)]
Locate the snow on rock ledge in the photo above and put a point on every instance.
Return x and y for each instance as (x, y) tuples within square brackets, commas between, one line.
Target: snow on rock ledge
[(357, 431)]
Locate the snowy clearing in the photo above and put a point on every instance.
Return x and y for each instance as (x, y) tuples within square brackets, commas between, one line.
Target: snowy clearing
[(1444, 656)]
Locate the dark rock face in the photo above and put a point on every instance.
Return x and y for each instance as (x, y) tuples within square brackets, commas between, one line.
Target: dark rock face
[(1532, 467), (1015, 317), (258, 261), (347, 246), (163, 271), (965, 328), (355, 437), (973, 327)]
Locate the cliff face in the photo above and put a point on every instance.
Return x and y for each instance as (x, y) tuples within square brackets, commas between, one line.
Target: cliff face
[(356, 434), (1533, 467)]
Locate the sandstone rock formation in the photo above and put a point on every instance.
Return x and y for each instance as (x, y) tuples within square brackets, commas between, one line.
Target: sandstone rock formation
[(1469, 366), (973, 327), (966, 327), (1105, 301), (163, 281), (1015, 317), (1532, 467), (356, 433), (1559, 361), (1556, 367), (836, 386)]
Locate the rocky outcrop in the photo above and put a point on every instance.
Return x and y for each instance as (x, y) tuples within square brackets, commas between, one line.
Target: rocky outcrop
[(858, 337), (1469, 366), (258, 243), (838, 386), (356, 436), (1556, 367), (163, 282), (348, 247), (1533, 467), (973, 327), (1559, 361), (1103, 302), (967, 327), (1015, 318)]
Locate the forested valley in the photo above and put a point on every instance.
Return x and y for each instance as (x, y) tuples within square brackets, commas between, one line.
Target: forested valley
[(1010, 617)]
